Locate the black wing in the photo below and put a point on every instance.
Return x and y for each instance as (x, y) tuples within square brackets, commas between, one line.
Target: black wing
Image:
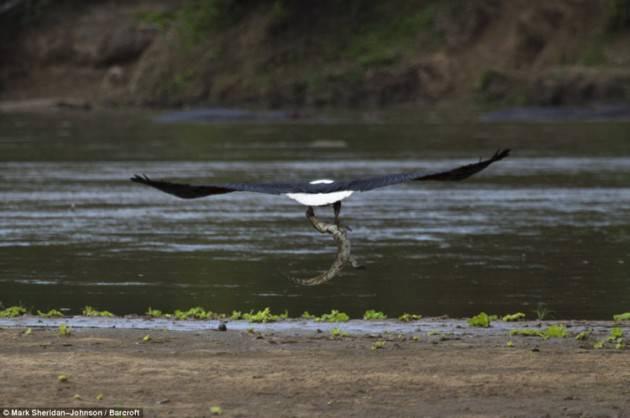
[(456, 174), (188, 191)]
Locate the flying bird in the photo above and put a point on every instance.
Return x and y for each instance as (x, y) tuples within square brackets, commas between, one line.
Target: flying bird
[(321, 192)]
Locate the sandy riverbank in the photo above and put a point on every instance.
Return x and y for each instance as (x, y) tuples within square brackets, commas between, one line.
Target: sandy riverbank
[(300, 373)]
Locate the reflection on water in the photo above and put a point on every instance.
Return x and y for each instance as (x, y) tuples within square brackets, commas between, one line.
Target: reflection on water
[(549, 225)]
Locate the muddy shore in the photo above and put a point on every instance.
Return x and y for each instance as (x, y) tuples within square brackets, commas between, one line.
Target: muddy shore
[(429, 368)]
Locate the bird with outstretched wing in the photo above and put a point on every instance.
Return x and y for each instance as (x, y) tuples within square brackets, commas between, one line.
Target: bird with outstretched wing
[(321, 192)]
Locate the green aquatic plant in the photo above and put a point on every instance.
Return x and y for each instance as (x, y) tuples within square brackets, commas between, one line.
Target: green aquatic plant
[(599, 344), (372, 315), (90, 311), (555, 331), (64, 330), (482, 320), (334, 316), (338, 333), (154, 313), (542, 312), (309, 316), (196, 312), (615, 335), (12, 312), (236, 315), (408, 317), (622, 317), (513, 317), (53, 313), (584, 335), (552, 331), (264, 316)]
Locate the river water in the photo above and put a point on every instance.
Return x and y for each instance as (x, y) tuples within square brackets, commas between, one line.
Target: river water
[(549, 227)]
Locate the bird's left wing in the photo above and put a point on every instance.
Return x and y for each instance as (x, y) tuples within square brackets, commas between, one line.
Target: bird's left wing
[(189, 191), (459, 173)]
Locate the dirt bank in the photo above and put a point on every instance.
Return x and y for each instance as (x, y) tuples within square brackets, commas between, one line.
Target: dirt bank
[(291, 54), (306, 373)]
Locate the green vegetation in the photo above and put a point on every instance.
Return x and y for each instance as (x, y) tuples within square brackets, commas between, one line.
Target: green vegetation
[(65, 330), (619, 317), (338, 333), (264, 316), (372, 315), (513, 317), (146, 338), (216, 410), (509, 344), (409, 317), (27, 331), (53, 313), (62, 378), (236, 315), (153, 313), (482, 320), (542, 312), (307, 315), (555, 331), (196, 312), (552, 331), (599, 344), (526, 332), (584, 335), (377, 345), (12, 312), (334, 316), (90, 311)]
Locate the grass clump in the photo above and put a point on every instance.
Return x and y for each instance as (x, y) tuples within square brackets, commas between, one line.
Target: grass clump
[(543, 312), (526, 332), (90, 311), (12, 312), (264, 316), (619, 317), (552, 331), (582, 336), (334, 316), (409, 317), (378, 345), (65, 330), (513, 317), (193, 313), (309, 316), (372, 315), (482, 320), (53, 313), (154, 313), (338, 333), (616, 337), (555, 331)]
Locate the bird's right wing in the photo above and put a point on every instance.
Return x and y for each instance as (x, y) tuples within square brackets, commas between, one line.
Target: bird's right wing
[(456, 174), (190, 191)]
